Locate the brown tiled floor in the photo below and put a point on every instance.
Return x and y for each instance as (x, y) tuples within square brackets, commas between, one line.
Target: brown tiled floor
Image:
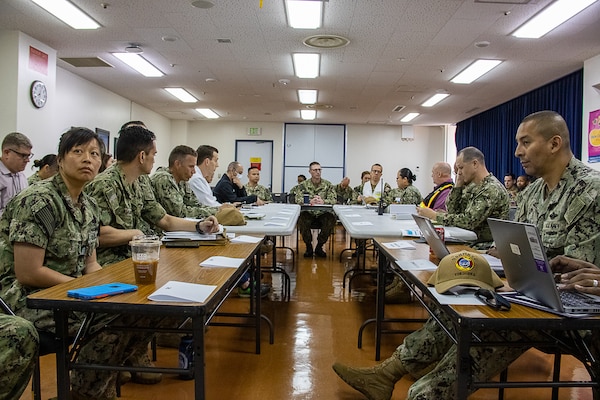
[(317, 327)]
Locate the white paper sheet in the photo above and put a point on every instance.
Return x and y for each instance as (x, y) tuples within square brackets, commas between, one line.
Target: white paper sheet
[(465, 299), (182, 292), (416, 265), (400, 244), (246, 239), (220, 261)]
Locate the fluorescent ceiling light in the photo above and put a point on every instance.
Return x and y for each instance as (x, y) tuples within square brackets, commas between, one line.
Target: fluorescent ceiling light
[(433, 100), (304, 14), (208, 113), (409, 117), (306, 65), (475, 70), (308, 115), (551, 17), (182, 94), (140, 64), (307, 96), (68, 13)]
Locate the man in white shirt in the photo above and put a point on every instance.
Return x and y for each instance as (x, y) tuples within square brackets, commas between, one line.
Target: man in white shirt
[(16, 153), (206, 165)]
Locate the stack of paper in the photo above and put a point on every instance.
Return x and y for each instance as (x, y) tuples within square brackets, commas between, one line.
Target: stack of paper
[(223, 262)]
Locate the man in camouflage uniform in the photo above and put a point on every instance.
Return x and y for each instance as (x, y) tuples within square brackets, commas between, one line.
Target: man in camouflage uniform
[(319, 191), (476, 196), (171, 186), (18, 354), (565, 205), (345, 194), (253, 187)]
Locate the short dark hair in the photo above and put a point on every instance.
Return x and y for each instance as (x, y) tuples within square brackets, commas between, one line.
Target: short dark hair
[(205, 152), (313, 163), (180, 152), (251, 168), (472, 153), (512, 176), (549, 123), (132, 140), (77, 136), (362, 175)]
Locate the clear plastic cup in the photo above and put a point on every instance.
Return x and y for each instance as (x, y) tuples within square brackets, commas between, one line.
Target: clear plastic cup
[(145, 252)]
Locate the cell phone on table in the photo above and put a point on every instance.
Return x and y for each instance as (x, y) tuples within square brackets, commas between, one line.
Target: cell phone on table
[(100, 291)]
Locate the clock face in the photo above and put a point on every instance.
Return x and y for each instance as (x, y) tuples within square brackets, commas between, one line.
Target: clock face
[(39, 94)]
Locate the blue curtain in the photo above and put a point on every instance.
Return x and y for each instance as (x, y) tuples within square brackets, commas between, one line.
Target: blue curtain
[(493, 131)]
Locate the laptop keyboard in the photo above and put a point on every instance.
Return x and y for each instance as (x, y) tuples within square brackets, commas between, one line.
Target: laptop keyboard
[(574, 299)]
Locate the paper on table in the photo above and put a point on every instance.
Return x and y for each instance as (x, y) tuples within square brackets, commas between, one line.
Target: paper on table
[(351, 215), (274, 224), (494, 262), (466, 298), (400, 244), (362, 223), (416, 265), (220, 261), (182, 292), (246, 239)]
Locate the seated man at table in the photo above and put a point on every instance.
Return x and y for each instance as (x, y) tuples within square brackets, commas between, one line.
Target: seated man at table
[(254, 188), (206, 164), (319, 191), (371, 191), (230, 189), (476, 196), (171, 186), (565, 205), (441, 173), (19, 343)]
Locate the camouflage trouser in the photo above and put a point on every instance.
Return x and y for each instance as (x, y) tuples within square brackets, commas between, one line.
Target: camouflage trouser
[(429, 355), (324, 221), (18, 354)]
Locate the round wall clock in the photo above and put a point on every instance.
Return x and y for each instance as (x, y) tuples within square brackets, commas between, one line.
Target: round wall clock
[(38, 93)]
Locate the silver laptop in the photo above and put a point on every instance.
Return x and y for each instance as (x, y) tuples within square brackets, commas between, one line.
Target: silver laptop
[(431, 236), (528, 272)]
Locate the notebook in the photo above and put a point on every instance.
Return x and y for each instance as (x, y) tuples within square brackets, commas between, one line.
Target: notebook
[(528, 271)]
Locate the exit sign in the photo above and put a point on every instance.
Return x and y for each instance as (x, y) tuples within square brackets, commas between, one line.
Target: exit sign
[(254, 131)]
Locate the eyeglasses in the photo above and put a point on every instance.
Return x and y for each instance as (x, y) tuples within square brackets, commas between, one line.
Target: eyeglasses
[(25, 157), (376, 171), (316, 169)]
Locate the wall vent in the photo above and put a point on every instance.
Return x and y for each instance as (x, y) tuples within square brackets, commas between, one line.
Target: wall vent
[(398, 108)]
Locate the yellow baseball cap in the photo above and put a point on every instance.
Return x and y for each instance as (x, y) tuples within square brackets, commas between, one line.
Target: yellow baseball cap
[(464, 268)]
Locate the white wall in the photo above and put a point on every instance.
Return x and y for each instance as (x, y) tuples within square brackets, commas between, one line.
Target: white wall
[(366, 145), (591, 102)]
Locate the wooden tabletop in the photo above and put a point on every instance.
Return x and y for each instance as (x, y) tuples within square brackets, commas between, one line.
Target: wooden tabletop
[(175, 264)]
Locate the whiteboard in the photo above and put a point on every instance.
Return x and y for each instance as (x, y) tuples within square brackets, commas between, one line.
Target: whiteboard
[(259, 153), (305, 143)]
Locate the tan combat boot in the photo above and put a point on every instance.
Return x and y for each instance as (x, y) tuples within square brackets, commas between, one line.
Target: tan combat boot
[(377, 383)]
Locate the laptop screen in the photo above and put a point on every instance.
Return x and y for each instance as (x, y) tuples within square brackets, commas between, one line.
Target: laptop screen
[(431, 236)]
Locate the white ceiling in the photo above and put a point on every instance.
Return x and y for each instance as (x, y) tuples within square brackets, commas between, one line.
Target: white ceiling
[(400, 53)]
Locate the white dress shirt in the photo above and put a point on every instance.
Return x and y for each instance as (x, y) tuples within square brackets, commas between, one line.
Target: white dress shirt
[(202, 189)]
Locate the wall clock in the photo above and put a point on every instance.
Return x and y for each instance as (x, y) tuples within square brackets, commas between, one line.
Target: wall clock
[(39, 94)]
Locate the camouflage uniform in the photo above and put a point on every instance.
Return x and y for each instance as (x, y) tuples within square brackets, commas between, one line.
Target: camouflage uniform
[(18, 354), (408, 195), (33, 179), (568, 220), (345, 195), (259, 191), (470, 206), (44, 216), (325, 220), (177, 199), (124, 206)]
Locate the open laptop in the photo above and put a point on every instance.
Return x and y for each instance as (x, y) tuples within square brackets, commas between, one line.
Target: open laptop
[(528, 272), (431, 236)]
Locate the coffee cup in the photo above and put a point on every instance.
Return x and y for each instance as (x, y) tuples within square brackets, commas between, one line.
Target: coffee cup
[(145, 251)]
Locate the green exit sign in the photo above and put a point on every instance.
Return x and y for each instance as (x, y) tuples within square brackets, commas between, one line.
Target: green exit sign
[(254, 131)]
